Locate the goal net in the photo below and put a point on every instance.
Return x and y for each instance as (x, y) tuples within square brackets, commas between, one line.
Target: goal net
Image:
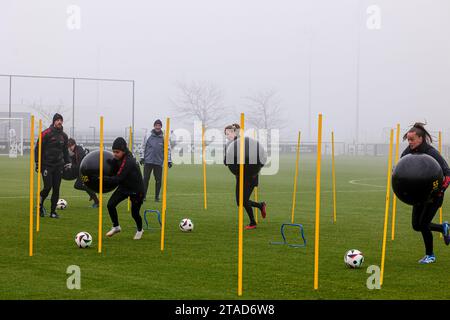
[(11, 137)]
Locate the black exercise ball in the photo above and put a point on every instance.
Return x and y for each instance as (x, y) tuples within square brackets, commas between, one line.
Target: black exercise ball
[(416, 177), (70, 174), (90, 171), (255, 157)]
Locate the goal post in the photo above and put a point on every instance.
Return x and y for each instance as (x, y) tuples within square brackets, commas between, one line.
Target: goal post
[(11, 137)]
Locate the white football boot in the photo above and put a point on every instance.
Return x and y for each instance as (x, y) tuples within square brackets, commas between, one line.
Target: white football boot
[(113, 231), (138, 235)]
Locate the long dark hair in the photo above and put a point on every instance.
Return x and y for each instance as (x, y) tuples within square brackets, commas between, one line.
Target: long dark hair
[(419, 129), (235, 127)]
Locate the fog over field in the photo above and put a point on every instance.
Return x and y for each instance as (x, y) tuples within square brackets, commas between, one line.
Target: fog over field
[(366, 65)]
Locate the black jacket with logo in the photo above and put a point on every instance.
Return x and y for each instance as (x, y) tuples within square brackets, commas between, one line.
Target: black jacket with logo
[(54, 148)]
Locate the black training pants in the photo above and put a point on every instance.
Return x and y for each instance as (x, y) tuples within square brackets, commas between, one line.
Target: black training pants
[(247, 203), (136, 203), (80, 186), (52, 181), (157, 172), (422, 215)]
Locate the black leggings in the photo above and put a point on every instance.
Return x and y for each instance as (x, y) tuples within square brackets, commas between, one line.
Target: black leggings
[(422, 215), (157, 172), (80, 186), (136, 203), (52, 181), (248, 204)]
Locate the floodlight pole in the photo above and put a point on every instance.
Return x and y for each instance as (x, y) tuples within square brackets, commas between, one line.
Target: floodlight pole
[(73, 108), (132, 117)]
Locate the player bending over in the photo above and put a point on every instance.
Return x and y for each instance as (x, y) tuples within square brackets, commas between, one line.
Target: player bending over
[(77, 153), (422, 214), (129, 178), (232, 133)]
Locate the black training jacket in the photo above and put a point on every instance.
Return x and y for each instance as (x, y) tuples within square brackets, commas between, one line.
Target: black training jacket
[(428, 149), (54, 148), (127, 174)]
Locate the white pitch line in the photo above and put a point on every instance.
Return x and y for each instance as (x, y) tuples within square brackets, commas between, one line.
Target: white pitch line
[(355, 182)]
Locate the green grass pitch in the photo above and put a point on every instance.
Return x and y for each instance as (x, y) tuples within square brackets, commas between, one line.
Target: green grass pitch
[(203, 264)]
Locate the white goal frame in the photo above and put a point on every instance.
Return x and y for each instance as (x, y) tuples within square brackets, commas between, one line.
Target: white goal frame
[(21, 138)]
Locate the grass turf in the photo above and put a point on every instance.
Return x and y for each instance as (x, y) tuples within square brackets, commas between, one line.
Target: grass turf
[(203, 264)]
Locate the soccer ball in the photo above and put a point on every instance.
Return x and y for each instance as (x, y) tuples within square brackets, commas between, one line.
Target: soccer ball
[(353, 259), (61, 204), (83, 239), (186, 225)]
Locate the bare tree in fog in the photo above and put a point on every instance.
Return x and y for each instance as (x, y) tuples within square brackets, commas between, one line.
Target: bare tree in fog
[(46, 112), (203, 102), (264, 111)]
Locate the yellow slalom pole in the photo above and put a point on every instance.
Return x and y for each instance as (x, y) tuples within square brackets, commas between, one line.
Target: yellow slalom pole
[(31, 184), (440, 151), (386, 213), (394, 200), (205, 202), (294, 193), (241, 206), (38, 195), (317, 228), (164, 202), (100, 191), (333, 173), (130, 143), (256, 189)]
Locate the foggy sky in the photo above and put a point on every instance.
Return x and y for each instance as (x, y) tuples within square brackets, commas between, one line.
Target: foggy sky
[(242, 47)]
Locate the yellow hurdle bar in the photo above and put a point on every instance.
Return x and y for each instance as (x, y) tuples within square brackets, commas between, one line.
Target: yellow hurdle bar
[(317, 227), (440, 151), (100, 195), (386, 213), (394, 200), (294, 192), (38, 191), (31, 184), (205, 202), (241, 206), (333, 174), (164, 202)]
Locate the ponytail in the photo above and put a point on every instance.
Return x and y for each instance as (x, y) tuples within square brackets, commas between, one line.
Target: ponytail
[(419, 129)]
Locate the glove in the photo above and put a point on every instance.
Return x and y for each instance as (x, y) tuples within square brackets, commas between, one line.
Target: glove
[(170, 165), (444, 187), (141, 161), (446, 183)]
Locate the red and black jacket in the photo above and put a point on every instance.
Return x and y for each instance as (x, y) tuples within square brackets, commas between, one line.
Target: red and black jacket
[(54, 148)]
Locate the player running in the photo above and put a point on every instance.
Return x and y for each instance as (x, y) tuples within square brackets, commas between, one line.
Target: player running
[(130, 184), (250, 182), (422, 214)]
